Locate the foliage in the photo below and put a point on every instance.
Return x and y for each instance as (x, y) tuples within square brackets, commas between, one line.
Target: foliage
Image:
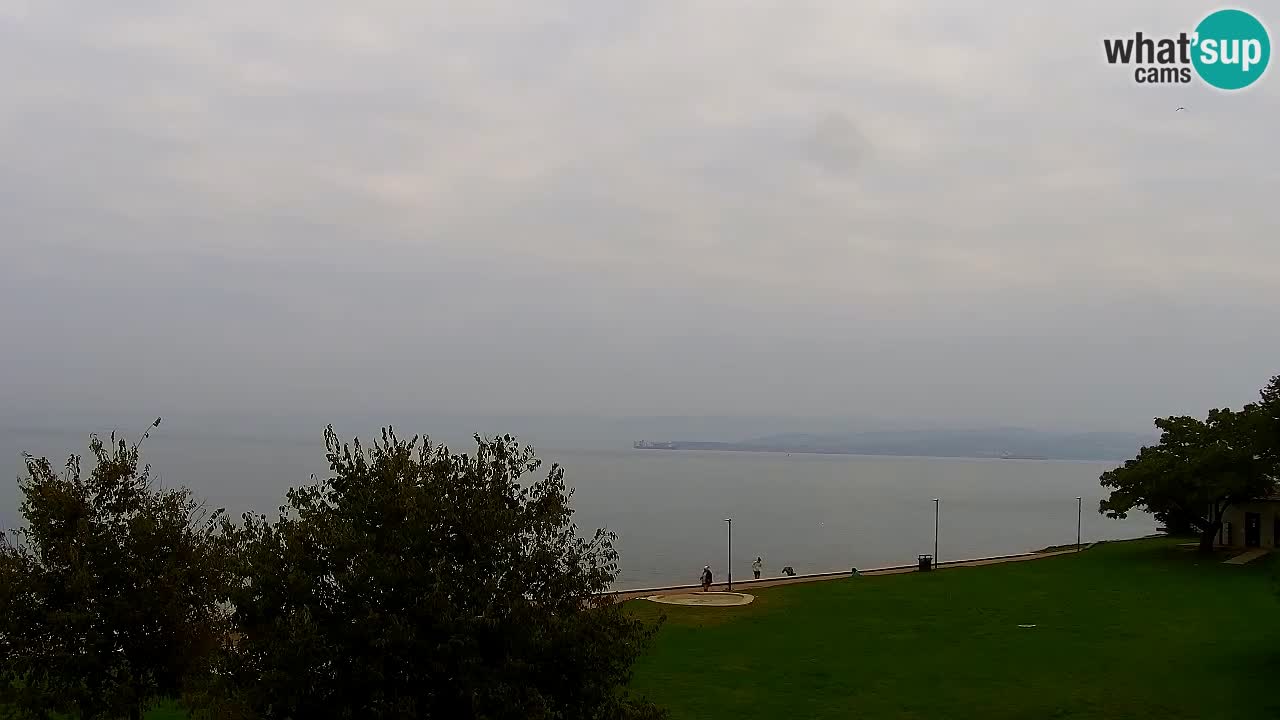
[(1269, 410), (109, 590), (1198, 469), (418, 583)]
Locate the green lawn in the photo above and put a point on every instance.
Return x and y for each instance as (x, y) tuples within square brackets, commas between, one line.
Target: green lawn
[(1124, 630)]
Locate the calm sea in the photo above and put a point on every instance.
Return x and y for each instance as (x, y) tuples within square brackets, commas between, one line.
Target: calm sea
[(813, 512)]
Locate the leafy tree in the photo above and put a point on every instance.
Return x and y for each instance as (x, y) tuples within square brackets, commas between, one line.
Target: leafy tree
[(1198, 469), (1269, 410), (418, 583), (110, 590)]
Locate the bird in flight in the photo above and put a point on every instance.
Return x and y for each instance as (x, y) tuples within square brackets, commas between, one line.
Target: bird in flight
[(1180, 109)]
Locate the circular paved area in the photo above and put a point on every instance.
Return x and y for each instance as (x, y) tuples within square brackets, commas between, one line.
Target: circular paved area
[(705, 599)]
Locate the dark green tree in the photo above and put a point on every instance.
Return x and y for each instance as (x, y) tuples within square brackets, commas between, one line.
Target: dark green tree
[(109, 590), (418, 583), (1269, 410), (1198, 469)]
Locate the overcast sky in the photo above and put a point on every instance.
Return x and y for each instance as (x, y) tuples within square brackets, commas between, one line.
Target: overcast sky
[(893, 210)]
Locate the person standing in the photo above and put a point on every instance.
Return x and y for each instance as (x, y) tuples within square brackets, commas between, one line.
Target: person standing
[(706, 578), (756, 567)]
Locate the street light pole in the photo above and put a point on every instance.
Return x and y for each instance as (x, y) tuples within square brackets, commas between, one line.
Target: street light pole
[(729, 567), (1079, 514), (935, 532)]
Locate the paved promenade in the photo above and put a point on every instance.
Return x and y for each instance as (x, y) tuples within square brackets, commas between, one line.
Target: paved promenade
[(746, 585)]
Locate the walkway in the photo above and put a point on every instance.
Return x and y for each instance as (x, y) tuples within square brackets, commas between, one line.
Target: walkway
[(1246, 557), (897, 570)]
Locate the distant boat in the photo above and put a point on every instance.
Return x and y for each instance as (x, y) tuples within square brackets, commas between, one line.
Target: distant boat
[(1012, 456)]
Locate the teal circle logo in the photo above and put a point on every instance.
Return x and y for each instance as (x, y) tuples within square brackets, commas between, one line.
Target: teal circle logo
[(1231, 49)]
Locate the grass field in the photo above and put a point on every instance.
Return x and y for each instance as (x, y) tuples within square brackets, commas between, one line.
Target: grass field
[(1124, 630)]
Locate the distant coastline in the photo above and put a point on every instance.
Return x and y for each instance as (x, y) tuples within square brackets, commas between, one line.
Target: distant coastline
[(1011, 444), (740, 447)]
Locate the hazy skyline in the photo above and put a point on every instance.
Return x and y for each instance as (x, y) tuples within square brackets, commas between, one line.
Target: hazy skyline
[(910, 211)]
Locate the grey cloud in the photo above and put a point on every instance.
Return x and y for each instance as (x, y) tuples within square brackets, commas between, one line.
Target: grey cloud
[(836, 143)]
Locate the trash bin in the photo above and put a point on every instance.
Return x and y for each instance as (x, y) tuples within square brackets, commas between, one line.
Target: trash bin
[(926, 563)]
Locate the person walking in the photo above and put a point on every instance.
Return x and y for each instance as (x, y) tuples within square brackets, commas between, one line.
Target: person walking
[(706, 578), (756, 567)]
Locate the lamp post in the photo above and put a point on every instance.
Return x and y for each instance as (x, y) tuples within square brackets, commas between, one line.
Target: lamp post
[(729, 567), (935, 532), (1079, 514)]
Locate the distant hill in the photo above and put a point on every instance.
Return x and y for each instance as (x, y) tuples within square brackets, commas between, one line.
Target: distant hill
[(1003, 442)]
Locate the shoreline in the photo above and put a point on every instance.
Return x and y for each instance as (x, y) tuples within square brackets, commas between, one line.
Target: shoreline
[(637, 593), (1050, 551)]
